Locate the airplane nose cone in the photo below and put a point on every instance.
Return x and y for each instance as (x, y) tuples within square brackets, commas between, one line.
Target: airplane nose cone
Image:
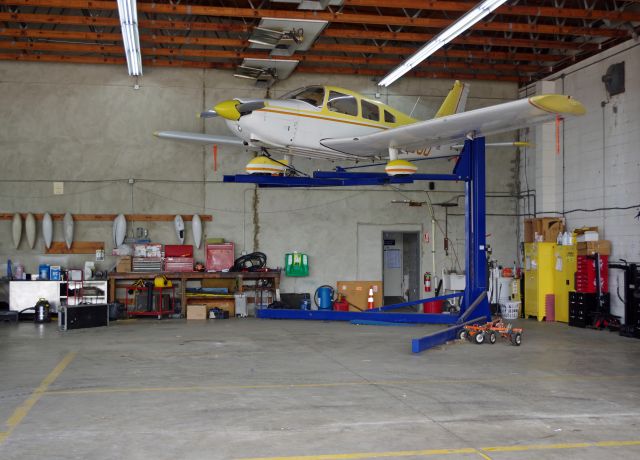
[(228, 110)]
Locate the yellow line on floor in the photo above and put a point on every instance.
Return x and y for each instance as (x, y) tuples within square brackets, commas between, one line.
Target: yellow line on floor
[(470, 450), (21, 411), (485, 456), (401, 453), (275, 386), (575, 445)]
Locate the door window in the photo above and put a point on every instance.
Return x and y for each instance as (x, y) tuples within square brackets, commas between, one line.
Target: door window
[(370, 111), (342, 103)]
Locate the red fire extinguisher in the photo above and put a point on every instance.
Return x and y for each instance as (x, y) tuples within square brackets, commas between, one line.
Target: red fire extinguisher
[(427, 282)]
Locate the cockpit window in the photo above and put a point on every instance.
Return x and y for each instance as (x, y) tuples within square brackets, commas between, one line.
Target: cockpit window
[(313, 95), (342, 103), (389, 117), (370, 111)]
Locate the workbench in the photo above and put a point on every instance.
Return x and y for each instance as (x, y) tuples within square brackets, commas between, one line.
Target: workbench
[(124, 280)]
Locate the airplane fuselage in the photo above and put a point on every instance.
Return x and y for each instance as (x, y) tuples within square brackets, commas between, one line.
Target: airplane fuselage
[(287, 123), (302, 122)]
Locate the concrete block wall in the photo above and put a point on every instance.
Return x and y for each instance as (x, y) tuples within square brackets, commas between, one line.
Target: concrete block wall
[(599, 157), (88, 126)]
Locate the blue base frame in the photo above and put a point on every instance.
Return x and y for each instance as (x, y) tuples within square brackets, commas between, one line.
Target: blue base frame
[(331, 315), (470, 168)]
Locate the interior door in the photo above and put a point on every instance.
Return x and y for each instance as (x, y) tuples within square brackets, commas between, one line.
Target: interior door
[(392, 264)]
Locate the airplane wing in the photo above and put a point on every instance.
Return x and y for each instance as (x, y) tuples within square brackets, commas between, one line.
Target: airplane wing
[(455, 128), (199, 138)]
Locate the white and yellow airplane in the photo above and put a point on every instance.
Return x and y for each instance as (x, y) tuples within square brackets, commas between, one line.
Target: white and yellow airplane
[(327, 122)]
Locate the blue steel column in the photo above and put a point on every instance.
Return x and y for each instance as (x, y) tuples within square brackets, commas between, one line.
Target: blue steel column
[(475, 250), (477, 269), (469, 259)]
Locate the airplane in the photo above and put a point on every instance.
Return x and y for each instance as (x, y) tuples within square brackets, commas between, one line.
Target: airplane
[(332, 123)]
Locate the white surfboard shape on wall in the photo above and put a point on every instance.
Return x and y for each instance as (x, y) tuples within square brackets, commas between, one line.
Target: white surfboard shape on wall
[(178, 222), (30, 230), (196, 229), (67, 223), (119, 230), (16, 229), (47, 229)]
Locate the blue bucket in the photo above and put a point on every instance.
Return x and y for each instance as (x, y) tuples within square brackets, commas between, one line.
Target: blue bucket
[(324, 296)]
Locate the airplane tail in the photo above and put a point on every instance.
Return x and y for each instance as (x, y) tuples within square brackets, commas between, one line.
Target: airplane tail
[(455, 101)]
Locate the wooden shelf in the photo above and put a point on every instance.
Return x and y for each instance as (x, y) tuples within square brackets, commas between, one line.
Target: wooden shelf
[(111, 217), (77, 247)]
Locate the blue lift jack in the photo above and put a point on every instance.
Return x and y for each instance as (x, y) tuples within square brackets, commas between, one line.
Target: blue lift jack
[(474, 306)]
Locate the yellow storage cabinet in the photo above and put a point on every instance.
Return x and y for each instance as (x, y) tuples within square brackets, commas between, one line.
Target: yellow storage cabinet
[(538, 277), (565, 266)]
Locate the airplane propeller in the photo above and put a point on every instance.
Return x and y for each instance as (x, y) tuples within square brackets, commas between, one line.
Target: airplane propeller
[(233, 109)]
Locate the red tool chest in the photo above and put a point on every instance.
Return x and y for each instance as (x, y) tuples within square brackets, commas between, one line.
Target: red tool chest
[(178, 258), (586, 274)]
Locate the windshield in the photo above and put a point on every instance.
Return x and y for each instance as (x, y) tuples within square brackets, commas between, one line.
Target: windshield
[(313, 95)]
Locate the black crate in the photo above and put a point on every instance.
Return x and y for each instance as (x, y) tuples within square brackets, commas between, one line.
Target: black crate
[(83, 316), (583, 307)]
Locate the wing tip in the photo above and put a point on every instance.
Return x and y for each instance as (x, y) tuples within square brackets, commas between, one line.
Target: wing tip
[(558, 103)]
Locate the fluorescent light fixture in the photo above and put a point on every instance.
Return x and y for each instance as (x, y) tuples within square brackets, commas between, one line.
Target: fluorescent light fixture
[(465, 22), (129, 25)]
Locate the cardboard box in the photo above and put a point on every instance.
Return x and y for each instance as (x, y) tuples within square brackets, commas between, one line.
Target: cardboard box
[(587, 248), (529, 230), (196, 311), (547, 227), (551, 228), (124, 264), (224, 304), (357, 292), (584, 234)]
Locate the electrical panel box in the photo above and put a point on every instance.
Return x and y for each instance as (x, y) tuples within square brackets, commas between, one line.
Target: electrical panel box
[(538, 277), (565, 263)]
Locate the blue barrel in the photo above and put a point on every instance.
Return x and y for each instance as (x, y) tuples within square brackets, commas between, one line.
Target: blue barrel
[(324, 294)]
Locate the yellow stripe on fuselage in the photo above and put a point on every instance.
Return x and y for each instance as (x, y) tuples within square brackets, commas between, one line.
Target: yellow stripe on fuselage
[(336, 118)]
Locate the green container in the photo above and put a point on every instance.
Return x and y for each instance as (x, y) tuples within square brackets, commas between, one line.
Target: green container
[(296, 264)]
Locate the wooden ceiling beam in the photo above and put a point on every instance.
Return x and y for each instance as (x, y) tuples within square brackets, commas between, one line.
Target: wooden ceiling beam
[(421, 74), (59, 35), (429, 5), (333, 17), (96, 21), (23, 56), (27, 57), (326, 47), (63, 47), (456, 53), (330, 32), (29, 18), (510, 10), (96, 36), (222, 54), (470, 40)]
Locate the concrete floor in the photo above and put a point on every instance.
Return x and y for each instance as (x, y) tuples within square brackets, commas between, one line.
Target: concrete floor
[(245, 388)]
